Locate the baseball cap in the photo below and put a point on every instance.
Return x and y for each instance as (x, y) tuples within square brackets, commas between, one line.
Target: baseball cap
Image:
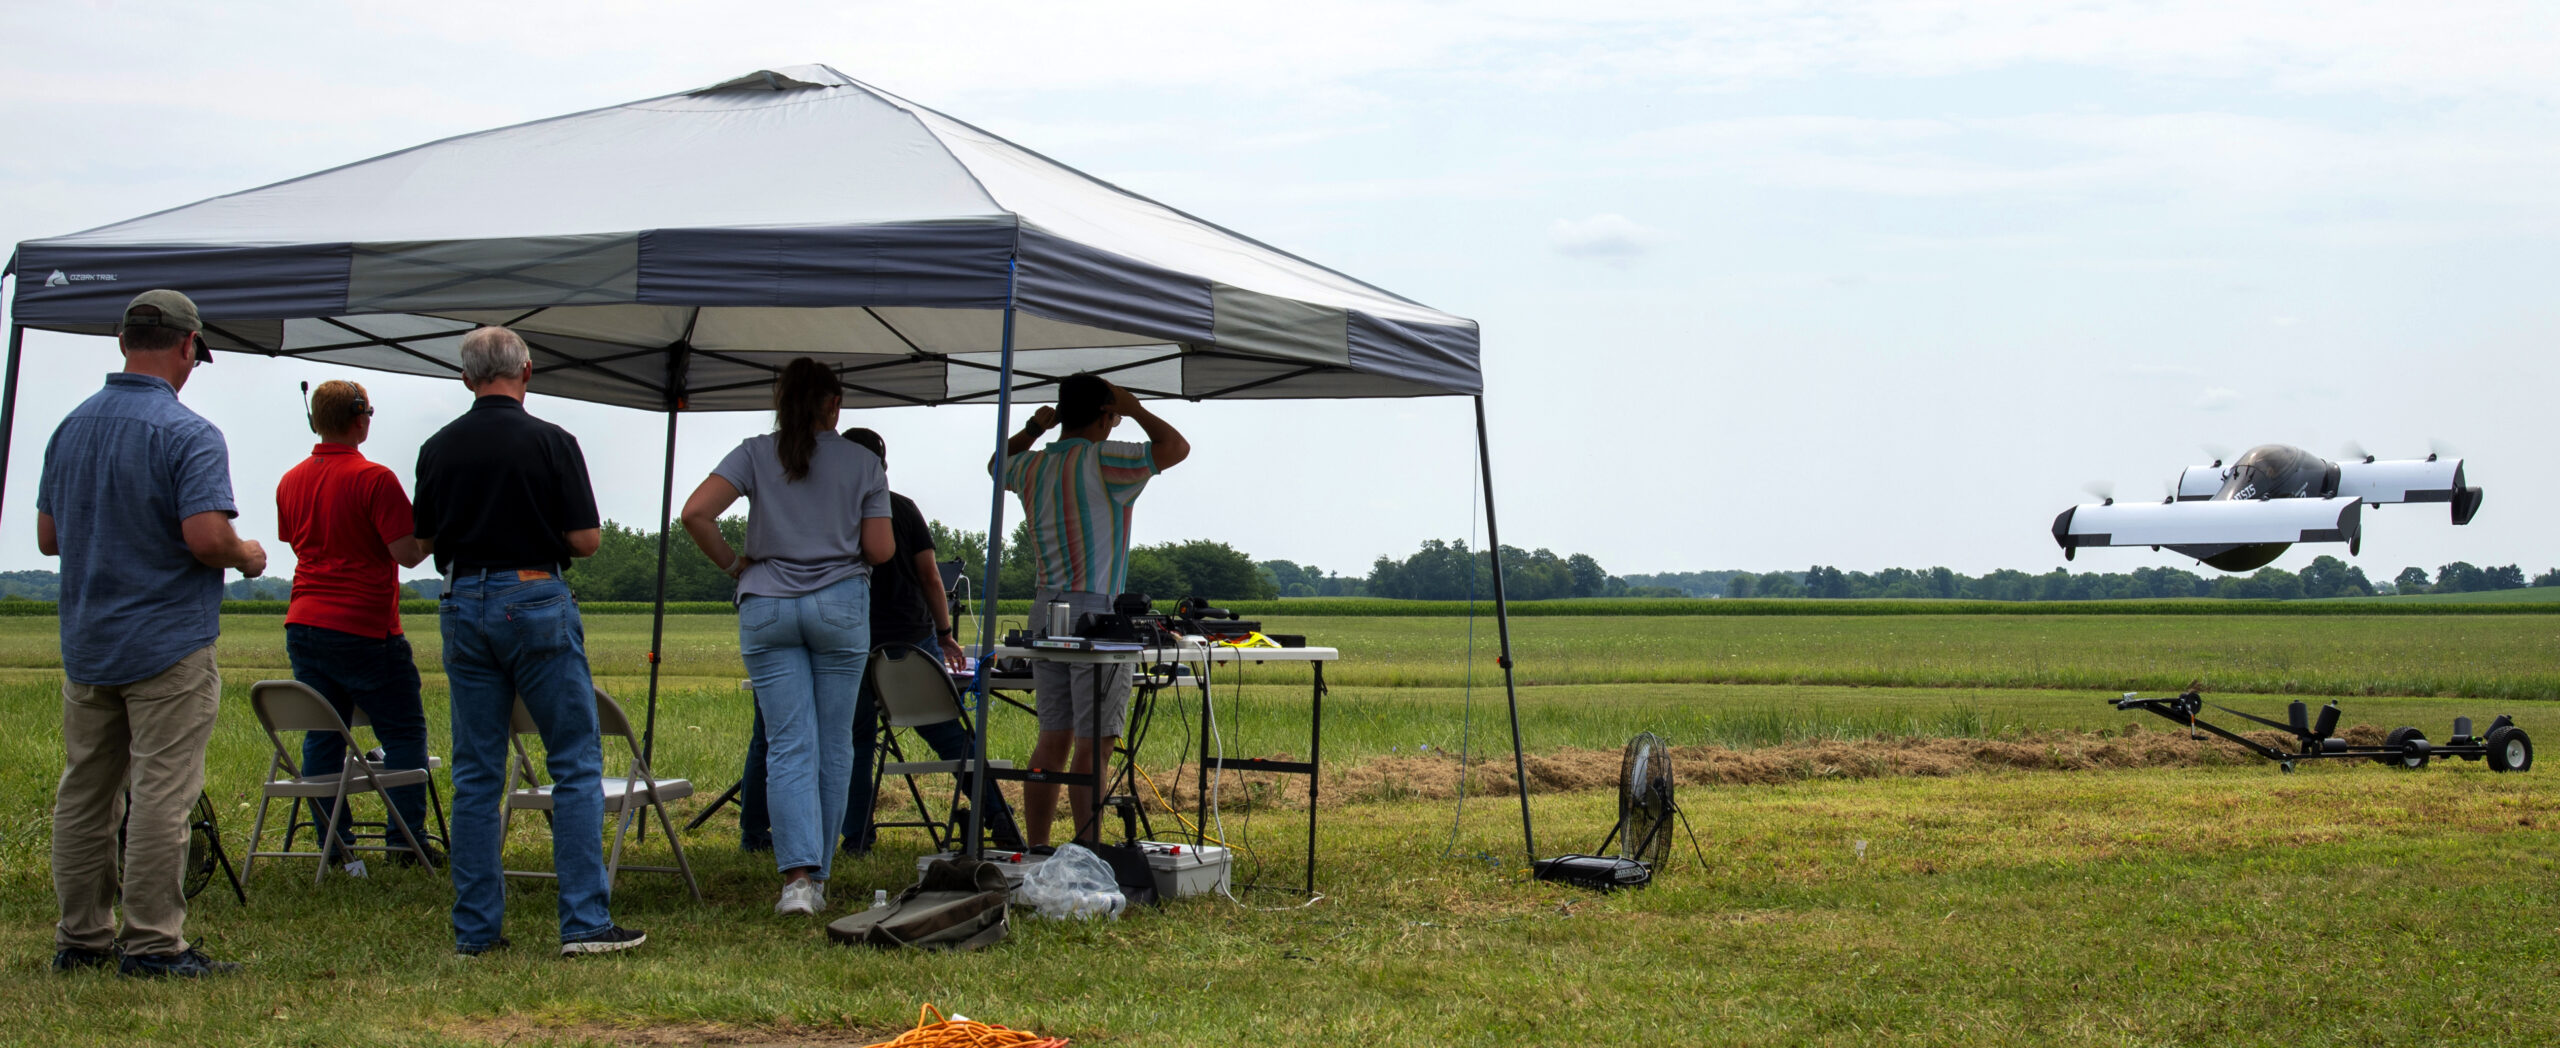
[(164, 308)]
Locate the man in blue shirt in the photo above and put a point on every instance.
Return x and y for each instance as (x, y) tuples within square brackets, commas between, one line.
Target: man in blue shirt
[(136, 500)]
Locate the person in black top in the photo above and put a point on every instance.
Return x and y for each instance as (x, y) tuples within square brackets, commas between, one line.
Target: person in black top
[(503, 505), (908, 607)]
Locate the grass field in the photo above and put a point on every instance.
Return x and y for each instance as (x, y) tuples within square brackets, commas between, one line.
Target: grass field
[(2346, 905), (2528, 595)]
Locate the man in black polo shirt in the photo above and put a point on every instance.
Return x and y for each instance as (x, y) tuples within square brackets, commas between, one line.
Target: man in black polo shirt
[(503, 505)]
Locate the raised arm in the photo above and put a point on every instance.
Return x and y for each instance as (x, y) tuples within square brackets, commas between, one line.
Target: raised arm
[(1021, 441), (1170, 448)]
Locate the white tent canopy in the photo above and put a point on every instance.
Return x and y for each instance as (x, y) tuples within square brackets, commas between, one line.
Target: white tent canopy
[(672, 254), (778, 214)]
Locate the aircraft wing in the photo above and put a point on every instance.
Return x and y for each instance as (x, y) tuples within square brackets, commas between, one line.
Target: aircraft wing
[(2410, 480), (2209, 523)]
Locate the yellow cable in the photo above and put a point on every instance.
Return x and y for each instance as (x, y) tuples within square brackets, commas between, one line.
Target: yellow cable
[(934, 1031)]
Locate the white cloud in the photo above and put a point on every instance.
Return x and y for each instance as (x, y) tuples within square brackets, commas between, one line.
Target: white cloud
[(2216, 398), (1607, 236)]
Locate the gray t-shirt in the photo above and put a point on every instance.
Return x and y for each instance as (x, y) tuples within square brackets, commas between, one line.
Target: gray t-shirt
[(805, 534)]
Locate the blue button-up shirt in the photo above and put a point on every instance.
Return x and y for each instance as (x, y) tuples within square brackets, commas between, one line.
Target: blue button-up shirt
[(121, 472)]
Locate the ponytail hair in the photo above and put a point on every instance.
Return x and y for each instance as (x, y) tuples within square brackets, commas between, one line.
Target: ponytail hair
[(799, 403)]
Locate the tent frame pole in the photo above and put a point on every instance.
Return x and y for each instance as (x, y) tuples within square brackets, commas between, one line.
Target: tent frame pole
[(9, 405), (1502, 622), (658, 609), (679, 362), (988, 595)]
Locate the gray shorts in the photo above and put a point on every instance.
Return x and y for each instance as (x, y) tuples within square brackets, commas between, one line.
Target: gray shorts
[(1066, 692)]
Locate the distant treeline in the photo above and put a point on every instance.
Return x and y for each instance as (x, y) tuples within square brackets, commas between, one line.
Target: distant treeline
[(626, 569)]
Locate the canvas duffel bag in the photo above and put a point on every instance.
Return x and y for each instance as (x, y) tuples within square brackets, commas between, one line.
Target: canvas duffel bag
[(956, 905)]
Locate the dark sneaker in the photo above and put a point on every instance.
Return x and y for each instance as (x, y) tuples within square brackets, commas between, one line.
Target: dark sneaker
[(405, 857), (73, 958), (189, 964), (475, 951), (613, 938)]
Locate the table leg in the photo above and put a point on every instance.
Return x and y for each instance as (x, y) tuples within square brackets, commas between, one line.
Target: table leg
[(1315, 773)]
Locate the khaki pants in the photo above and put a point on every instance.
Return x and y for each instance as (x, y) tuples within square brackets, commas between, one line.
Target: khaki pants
[(148, 736)]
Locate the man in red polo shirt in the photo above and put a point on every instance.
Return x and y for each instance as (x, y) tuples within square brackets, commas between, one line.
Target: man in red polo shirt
[(348, 522)]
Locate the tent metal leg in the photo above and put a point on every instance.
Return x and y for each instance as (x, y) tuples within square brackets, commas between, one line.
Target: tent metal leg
[(658, 614), (9, 405), (1502, 621), (988, 593)]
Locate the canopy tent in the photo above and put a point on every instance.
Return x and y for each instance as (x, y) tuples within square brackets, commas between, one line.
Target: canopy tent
[(672, 254)]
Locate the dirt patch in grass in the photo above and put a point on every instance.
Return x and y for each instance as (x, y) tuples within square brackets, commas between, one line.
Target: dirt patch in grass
[(1437, 777), (520, 1030)]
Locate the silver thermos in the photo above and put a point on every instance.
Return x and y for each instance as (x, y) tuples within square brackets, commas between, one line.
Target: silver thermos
[(1062, 619)]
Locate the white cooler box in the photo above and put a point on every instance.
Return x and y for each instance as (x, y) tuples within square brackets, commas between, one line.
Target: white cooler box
[(1188, 869)]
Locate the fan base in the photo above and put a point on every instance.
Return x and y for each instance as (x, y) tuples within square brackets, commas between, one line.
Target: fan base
[(1596, 872)]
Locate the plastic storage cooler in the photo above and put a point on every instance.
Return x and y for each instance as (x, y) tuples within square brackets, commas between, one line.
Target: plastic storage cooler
[(1185, 869)]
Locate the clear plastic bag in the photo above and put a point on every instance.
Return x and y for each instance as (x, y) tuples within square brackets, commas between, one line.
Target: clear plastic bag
[(1073, 883)]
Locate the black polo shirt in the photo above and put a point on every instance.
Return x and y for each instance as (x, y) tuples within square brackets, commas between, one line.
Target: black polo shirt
[(898, 610), (496, 488)]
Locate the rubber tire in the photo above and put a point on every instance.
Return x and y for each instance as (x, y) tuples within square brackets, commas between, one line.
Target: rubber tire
[(2501, 738), (2397, 743)]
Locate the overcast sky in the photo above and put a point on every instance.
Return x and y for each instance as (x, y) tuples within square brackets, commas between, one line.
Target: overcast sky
[(1762, 284)]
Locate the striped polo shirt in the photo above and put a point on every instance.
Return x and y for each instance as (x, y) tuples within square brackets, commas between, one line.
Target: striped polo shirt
[(1076, 495)]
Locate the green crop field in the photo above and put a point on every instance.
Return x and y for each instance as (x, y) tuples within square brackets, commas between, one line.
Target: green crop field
[(1844, 898)]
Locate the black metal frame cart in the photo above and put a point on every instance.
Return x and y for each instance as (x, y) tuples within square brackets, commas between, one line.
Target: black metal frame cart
[(1314, 658), (1097, 779)]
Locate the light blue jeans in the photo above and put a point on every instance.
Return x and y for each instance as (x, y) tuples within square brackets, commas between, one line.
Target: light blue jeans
[(506, 639), (805, 655)]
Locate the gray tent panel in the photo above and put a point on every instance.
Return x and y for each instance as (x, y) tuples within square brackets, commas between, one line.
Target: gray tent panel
[(1265, 326), (422, 277)]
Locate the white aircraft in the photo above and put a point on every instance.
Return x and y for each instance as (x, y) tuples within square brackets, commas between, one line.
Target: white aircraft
[(2240, 517)]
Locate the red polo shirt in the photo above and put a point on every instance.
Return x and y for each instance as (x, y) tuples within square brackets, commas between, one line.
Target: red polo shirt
[(340, 513)]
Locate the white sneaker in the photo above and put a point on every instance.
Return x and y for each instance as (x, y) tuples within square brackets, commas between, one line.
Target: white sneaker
[(801, 898)]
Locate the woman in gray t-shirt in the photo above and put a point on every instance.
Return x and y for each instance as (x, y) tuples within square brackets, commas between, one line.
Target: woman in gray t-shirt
[(804, 606)]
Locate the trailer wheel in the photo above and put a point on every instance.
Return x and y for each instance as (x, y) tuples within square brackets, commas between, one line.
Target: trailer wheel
[(2510, 749), (2406, 747)]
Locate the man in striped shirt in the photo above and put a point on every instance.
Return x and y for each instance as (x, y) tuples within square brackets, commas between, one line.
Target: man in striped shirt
[(1076, 495)]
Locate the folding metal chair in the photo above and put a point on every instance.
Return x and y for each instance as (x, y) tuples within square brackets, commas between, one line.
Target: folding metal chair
[(914, 690), (287, 706), (633, 793), (435, 800)]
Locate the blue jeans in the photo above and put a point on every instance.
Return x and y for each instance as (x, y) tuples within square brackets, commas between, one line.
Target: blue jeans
[(506, 639), (805, 655), (379, 676), (949, 740)]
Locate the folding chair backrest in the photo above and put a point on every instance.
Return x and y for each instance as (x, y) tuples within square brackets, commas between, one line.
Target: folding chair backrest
[(610, 720), (912, 686), (290, 705)]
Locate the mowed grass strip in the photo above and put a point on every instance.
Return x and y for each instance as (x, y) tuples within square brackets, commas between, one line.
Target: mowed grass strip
[(2493, 657)]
